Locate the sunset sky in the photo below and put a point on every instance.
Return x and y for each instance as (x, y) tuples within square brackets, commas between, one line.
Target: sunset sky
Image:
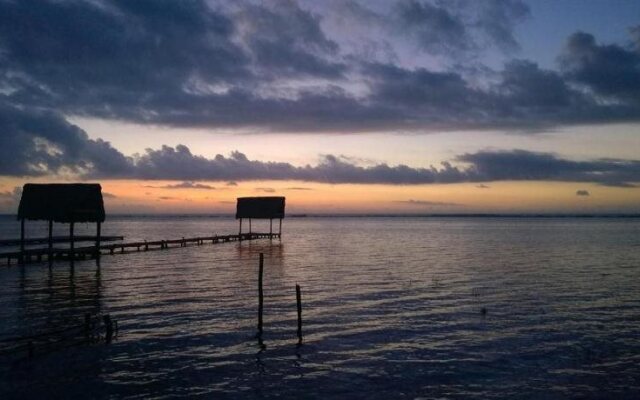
[(342, 106)]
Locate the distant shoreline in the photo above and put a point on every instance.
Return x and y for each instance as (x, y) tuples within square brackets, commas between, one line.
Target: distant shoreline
[(319, 215)]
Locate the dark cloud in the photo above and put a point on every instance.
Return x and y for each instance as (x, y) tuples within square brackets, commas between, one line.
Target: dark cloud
[(108, 195), (231, 183), (166, 198), (272, 66), (298, 188), (497, 19), (582, 192), (608, 70), (185, 185), (484, 166), (34, 142), (435, 28), (483, 186), (526, 165), (42, 143), (284, 39), (428, 203), (450, 28)]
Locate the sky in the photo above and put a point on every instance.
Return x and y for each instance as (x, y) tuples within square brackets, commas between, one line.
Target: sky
[(342, 106)]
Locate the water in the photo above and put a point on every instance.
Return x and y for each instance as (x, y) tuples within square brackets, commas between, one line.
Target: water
[(391, 308)]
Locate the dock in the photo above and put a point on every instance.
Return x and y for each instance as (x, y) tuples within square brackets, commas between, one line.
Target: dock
[(58, 239), (88, 252)]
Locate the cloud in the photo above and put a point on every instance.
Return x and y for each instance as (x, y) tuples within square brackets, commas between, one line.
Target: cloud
[(483, 186), (166, 198), (612, 71), (231, 183), (460, 28), (265, 190), (34, 142), (428, 203), (43, 143), (298, 188), (185, 185), (108, 195), (582, 192), (275, 66), (526, 165)]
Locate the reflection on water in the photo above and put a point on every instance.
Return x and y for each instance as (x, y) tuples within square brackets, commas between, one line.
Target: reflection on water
[(392, 308)]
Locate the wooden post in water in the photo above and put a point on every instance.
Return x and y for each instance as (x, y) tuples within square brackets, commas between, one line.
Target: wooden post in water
[(240, 231), (108, 325), (50, 243), (21, 240), (280, 229), (249, 226), (260, 293), (299, 304), (98, 227), (72, 244)]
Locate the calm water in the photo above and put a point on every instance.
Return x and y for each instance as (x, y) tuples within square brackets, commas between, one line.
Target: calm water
[(392, 309)]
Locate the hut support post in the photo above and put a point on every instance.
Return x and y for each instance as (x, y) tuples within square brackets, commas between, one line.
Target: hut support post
[(50, 257), (270, 228), (98, 232), (240, 230), (249, 226), (21, 240), (280, 228)]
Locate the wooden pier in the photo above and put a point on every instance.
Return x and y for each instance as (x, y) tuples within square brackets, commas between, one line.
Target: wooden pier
[(58, 239), (88, 252)]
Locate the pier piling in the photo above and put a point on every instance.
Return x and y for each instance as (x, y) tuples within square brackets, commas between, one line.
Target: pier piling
[(299, 306), (260, 293)]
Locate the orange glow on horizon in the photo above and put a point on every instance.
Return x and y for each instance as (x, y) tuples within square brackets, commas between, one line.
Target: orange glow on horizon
[(140, 197)]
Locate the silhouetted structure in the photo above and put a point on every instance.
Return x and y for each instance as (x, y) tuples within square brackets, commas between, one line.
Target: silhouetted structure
[(261, 208), (63, 203)]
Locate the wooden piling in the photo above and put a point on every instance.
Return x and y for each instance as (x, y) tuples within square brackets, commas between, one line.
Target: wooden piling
[(260, 293), (21, 240), (299, 304), (97, 253), (71, 244), (108, 325), (50, 247)]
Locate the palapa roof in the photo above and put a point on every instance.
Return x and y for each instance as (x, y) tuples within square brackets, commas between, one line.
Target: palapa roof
[(260, 207), (62, 202)]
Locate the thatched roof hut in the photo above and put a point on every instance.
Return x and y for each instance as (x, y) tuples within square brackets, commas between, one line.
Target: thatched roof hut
[(65, 203), (260, 207)]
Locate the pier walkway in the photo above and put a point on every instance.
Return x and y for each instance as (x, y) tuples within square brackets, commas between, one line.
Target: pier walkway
[(81, 253)]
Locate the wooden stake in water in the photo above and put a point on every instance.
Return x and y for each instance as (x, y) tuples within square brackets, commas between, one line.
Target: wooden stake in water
[(260, 293), (50, 244), (21, 241), (299, 303), (71, 245), (108, 325)]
